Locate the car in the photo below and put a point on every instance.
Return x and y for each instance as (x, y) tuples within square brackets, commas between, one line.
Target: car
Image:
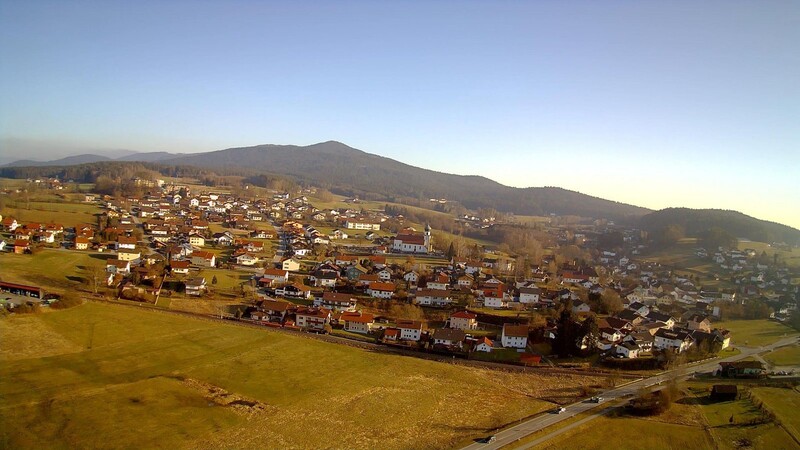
[(489, 439), (559, 410), (596, 399)]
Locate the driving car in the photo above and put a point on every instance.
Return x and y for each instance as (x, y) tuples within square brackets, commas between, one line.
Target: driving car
[(596, 399)]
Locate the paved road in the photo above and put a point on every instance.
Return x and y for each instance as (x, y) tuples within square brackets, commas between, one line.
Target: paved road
[(510, 435)]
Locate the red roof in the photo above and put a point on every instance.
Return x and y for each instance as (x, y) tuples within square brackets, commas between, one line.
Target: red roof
[(382, 287), (464, 315)]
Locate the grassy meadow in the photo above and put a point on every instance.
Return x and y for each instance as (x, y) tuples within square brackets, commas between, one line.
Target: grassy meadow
[(50, 268), (693, 421), (755, 333), (784, 356), (102, 376)]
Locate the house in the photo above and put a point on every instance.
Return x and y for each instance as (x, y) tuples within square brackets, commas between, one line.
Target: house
[(465, 281), (743, 369), (2, 245), (275, 310), (514, 336), (484, 345), (179, 267), (196, 240), (247, 259), (324, 278), (353, 272), (628, 350), (581, 307), (81, 243), (449, 337), (368, 278), (381, 290), (433, 297), (529, 295), (295, 291), (441, 282), (495, 301), (639, 308), (698, 322), (118, 266), (656, 316), (204, 259), (385, 275), (126, 243), (291, 264), (354, 224), (677, 341), (410, 330), (223, 239), (10, 224), (411, 278), (464, 320), (195, 286), (274, 276), (391, 334), (313, 318), (336, 301), (358, 322)]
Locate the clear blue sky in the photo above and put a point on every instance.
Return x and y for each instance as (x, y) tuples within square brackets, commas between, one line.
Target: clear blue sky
[(657, 104)]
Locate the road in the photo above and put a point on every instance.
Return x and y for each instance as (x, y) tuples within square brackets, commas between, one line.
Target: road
[(513, 434)]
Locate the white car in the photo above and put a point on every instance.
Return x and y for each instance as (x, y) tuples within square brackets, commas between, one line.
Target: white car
[(560, 410)]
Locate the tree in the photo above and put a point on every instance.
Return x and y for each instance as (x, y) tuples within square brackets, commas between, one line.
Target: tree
[(566, 332), (589, 333), (94, 277), (451, 251), (610, 302), (214, 280)]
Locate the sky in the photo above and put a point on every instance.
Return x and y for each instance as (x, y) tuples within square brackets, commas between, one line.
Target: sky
[(657, 104)]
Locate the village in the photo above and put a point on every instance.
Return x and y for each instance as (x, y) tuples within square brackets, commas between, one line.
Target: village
[(366, 275)]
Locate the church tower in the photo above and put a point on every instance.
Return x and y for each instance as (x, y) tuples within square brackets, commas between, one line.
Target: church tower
[(428, 243)]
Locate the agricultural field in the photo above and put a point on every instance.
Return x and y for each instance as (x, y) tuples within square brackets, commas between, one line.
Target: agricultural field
[(693, 421), (785, 356), (50, 268), (103, 375), (755, 333)]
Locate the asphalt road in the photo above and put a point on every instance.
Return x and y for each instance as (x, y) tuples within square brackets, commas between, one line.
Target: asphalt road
[(513, 434)]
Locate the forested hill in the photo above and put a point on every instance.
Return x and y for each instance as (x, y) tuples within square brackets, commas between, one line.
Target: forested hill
[(347, 170), (694, 222)]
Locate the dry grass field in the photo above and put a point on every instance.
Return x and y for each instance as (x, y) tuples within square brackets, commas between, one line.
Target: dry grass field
[(110, 376)]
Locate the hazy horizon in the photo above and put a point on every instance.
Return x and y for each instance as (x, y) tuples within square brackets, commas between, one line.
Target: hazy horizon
[(656, 105)]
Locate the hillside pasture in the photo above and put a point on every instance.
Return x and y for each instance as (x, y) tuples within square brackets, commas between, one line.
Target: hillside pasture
[(137, 378), (755, 333)]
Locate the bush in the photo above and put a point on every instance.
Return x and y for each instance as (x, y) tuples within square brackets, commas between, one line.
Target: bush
[(67, 300)]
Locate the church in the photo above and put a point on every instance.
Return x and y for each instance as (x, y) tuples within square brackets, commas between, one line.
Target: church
[(410, 240)]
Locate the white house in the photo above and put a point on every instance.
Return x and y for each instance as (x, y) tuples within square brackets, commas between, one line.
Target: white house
[(514, 336), (529, 295), (464, 320), (433, 297), (410, 330)]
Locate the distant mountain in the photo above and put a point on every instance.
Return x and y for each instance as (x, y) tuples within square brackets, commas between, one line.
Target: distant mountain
[(697, 221), (90, 158), (68, 161), (345, 169), (149, 156)]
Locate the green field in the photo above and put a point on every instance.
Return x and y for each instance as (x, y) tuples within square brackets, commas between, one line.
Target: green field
[(60, 269), (692, 422), (49, 208), (784, 403), (100, 376), (785, 356), (755, 332)]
